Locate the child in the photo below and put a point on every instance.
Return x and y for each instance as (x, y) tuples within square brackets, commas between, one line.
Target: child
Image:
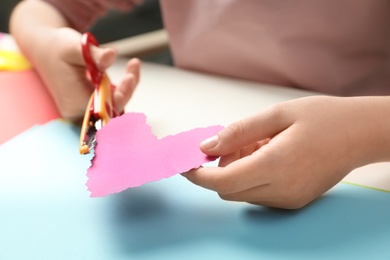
[(285, 156)]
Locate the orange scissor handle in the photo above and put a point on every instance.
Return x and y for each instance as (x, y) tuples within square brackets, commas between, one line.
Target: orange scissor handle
[(101, 106), (103, 100)]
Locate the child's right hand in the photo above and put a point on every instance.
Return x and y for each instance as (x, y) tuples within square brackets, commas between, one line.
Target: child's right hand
[(44, 36), (62, 68)]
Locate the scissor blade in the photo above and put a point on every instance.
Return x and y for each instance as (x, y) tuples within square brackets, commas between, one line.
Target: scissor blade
[(92, 144), (91, 133)]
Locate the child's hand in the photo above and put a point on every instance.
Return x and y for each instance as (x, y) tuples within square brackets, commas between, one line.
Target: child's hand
[(46, 39), (314, 142), (62, 68)]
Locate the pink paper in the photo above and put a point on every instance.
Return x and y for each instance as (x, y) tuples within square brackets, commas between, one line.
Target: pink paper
[(128, 154)]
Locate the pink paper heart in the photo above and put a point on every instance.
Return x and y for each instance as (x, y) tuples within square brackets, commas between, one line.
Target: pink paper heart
[(128, 154)]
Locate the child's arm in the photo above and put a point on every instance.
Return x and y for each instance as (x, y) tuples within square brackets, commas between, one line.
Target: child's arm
[(44, 36)]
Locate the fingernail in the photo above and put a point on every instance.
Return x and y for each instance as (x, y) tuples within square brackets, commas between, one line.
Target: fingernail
[(186, 174), (210, 143)]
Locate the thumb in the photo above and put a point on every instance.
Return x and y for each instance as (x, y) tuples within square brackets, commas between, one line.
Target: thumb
[(242, 133), (103, 57)]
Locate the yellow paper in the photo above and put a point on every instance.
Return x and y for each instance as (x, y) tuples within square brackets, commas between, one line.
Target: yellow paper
[(13, 61)]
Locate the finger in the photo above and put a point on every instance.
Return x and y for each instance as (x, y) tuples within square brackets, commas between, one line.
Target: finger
[(124, 91), (236, 177), (249, 130), (72, 54), (229, 158), (245, 151), (262, 194), (103, 57), (256, 194), (268, 195), (133, 66)]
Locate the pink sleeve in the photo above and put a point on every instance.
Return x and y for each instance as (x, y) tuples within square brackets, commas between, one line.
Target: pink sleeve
[(80, 14)]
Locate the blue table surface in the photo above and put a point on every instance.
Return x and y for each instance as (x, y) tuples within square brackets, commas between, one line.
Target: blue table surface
[(46, 213)]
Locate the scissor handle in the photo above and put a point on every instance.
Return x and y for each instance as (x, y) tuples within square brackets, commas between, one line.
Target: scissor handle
[(93, 72)]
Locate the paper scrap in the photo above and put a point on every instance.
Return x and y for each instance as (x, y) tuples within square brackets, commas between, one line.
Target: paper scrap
[(128, 154)]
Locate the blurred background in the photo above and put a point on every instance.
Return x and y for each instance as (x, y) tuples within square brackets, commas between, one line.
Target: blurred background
[(143, 19)]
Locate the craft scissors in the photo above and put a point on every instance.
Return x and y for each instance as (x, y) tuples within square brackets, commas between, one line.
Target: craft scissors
[(101, 107)]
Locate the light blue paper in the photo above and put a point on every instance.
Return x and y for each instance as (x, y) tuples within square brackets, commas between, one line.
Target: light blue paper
[(46, 213)]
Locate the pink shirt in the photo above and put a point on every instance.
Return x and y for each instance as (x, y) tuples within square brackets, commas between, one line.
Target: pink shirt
[(339, 47)]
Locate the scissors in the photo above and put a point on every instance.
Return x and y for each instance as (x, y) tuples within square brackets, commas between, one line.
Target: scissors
[(101, 107)]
